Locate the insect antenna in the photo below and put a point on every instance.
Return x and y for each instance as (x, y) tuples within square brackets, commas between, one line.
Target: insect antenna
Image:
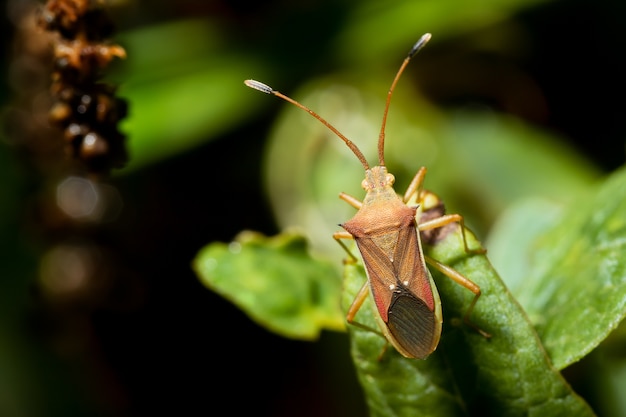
[(269, 90), (381, 137)]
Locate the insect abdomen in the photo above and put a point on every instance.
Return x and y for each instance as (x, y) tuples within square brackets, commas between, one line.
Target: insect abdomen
[(413, 324)]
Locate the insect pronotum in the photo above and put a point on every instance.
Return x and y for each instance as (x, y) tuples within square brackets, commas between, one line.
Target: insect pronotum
[(386, 230)]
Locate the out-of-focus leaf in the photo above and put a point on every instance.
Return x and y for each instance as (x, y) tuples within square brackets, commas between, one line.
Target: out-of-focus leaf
[(403, 22), (574, 282), (183, 87), (276, 282), (511, 240), (507, 160), (506, 375)]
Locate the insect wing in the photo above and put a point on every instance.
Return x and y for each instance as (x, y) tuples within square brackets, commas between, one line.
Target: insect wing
[(413, 325), (380, 273), (414, 315), (404, 292)]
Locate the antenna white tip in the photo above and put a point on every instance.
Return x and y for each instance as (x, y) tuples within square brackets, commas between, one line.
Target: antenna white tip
[(420, 44), (257, 85)]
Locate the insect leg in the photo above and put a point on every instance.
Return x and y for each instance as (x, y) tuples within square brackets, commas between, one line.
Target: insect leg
[(445, 220), (345, 235), (415, 187), (362, 294), (355, 307), (357, 303), (460, 279), (353, 201)]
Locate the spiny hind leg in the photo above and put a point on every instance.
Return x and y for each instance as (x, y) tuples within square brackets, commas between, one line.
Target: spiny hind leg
[(462, 280)]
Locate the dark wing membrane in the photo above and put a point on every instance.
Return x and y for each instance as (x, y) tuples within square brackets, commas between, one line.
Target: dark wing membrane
[(380, 272), (412, 324)]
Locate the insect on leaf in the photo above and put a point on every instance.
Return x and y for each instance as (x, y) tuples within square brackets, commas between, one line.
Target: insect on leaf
[(506, 375)]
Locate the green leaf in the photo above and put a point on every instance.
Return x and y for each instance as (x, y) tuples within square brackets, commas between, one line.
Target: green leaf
[(182, 93), (506, 375), (511, 242), (275, 281), (508, 159), (574, 281)]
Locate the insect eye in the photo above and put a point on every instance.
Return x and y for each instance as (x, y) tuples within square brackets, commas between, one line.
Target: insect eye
[(390, 179), (365, 185)]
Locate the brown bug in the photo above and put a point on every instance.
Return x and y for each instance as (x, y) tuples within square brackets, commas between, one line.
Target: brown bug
[(386, 230)]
